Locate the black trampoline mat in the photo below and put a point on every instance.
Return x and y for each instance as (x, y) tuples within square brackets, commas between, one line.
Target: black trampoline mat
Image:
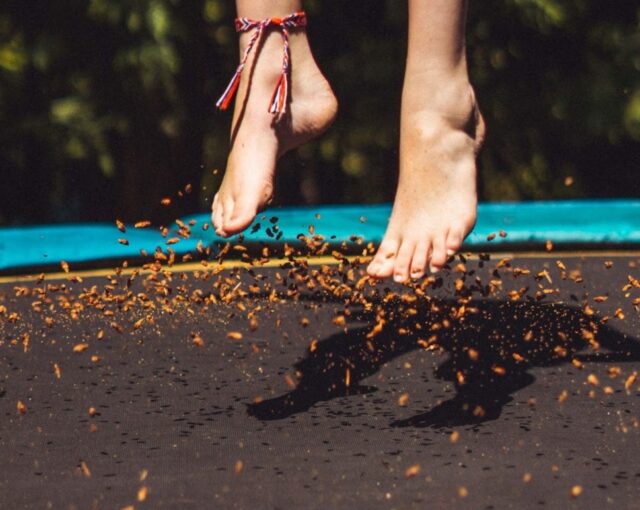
[(511, 402)]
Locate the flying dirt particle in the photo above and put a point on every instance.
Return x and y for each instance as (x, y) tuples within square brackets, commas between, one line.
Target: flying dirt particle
[(412, 471), (142, 493), (576, 490)]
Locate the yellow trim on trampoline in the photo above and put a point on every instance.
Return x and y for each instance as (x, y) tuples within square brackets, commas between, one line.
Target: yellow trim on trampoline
[(312, 261), (186, 267)]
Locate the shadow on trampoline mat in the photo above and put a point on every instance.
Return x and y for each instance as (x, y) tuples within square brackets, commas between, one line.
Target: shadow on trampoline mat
[(486, 364)]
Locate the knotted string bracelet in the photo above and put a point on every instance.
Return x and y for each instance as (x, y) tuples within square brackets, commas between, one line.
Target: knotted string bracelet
[(278, 103)]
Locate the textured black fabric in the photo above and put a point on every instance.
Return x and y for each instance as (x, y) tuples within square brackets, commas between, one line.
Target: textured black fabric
[(265, 422)]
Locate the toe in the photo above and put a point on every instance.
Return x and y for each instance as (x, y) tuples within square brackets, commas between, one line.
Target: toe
[(403, 261), (419, 261), (454, 241), (438, 254), (218, 218), (382, 264), (240, 218), (374, 267)]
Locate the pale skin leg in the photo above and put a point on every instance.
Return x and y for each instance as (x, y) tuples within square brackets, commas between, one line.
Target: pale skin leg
[(258, 137), (440, 134)]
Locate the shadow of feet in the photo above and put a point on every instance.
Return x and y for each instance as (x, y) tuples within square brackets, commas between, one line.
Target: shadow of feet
[(300, 400), (470, 407), (490, 349)]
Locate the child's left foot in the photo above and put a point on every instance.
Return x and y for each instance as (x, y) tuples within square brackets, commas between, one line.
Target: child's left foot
[(259, 138), (435, 204)]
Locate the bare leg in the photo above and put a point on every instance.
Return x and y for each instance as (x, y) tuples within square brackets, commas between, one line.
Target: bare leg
[(257, 139), (441, 131)]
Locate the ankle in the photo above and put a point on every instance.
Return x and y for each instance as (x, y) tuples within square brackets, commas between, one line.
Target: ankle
[(266, 63), (449, 98)]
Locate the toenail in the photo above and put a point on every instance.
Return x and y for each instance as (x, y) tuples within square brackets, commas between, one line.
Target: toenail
[(434, 269), (398, 278), (450, 253)]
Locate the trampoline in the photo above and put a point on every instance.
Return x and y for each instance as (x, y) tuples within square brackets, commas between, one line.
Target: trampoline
[(508, 380)]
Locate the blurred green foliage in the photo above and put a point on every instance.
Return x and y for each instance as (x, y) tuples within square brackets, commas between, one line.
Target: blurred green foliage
[(108, 105)]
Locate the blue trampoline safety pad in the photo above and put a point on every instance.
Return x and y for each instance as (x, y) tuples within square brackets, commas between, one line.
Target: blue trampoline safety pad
[(525, 223)]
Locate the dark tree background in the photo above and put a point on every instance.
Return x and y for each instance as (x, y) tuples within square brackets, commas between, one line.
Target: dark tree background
[(106, 106)]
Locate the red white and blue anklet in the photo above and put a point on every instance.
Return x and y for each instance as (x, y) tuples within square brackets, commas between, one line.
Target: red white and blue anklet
[(278, 103)]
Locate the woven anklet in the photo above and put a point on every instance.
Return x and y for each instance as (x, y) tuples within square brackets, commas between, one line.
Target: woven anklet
[(278, 103)]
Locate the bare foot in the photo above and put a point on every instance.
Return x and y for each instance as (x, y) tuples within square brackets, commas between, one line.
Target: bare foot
[(436, 200), (258, 137)]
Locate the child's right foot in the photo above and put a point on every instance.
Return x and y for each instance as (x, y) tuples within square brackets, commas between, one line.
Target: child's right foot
[(435, 205), (259, 138)]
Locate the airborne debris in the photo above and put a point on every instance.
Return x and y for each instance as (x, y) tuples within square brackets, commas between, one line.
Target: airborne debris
[(197, 340), (576, 490), (412, 471), (142, 493)]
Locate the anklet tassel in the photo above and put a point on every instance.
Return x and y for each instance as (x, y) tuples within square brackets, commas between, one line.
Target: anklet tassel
[(278, 103)]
